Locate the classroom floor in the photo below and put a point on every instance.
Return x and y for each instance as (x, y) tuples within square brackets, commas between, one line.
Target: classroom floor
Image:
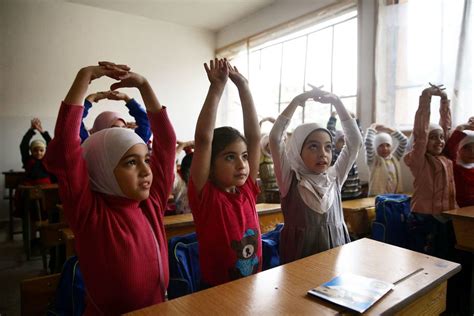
[(13, 268)]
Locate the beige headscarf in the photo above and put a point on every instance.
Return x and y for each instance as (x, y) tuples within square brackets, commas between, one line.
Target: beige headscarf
[(316, 190), (102, 152)]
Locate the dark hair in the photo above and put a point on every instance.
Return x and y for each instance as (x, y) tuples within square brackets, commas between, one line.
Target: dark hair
[(186, 166), (223, 136)]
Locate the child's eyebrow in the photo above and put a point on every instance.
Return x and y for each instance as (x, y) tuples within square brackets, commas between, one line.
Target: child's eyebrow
[(135, 156), (233, 153), (317, 142)]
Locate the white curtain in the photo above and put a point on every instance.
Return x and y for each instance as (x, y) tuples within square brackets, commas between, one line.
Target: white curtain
[(462, 100), (421, 41)]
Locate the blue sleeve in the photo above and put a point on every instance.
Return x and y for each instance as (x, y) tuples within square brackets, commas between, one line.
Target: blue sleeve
[(141, 118), (83, 131)]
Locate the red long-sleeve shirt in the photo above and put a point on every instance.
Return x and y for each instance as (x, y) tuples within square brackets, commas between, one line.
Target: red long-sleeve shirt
[(121, 243)]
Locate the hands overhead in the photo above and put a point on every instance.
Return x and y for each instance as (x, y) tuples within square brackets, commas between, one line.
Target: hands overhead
[(36, 124), (217, 71), (237, 78), (437, 90)]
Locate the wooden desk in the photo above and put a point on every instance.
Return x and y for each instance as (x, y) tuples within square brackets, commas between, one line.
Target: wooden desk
[(269, 215), (282, 290), (12, 180), (463, 222), (175, 225), (37, 198), (356, 217)]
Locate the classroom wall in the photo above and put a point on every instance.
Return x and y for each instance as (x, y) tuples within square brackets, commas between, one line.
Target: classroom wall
[(45, 43)]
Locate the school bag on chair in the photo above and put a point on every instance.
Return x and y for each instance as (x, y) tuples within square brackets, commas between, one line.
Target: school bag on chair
[(392, 213), (270, 245), (185, 274), (70, 294)]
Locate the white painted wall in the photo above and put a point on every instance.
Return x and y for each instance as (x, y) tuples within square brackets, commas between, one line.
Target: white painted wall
[(43, 45)]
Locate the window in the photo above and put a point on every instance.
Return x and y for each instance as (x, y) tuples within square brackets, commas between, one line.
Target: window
[(417, 43), (278, 70)]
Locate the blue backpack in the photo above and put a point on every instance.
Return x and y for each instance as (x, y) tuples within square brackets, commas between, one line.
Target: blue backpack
[(270, 245), (185, 274), (70, 294), (392, 214)]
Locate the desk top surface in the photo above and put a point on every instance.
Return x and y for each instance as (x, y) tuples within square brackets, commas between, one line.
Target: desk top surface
[(187, 219), (282, 290), (358, 204), (463, 212)]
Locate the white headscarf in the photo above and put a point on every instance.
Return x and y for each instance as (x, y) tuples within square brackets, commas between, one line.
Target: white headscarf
[(431, 127), (382, 138), (102, 152), (469, 138), (338, 135), (316, 190)]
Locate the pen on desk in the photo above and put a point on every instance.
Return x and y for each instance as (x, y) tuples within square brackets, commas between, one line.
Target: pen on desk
[(407, 276)]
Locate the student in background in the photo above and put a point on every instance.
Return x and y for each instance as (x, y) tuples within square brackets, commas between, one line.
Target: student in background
[(310, 188), (433, 186), (180, 184), (384, 161), (114, 195), (266, 172), (460, 149), (351, 189), (109, 119), (222, 188), (32, 154)]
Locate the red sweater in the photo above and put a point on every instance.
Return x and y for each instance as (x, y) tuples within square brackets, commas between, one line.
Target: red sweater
[(120, 242), (463, 177), (228, 231)]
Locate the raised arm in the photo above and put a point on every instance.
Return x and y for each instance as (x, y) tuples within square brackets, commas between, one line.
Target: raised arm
[(402, 143), (217, 73), (162, 158), (251, 124), (414, 159), (64, 155), (352, 135), (281, 163), (25, 144), (370, 144), (136, 111)]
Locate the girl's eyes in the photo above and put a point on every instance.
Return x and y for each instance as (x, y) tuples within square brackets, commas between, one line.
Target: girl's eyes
[(245, 156), (229, 157), (132, 162)]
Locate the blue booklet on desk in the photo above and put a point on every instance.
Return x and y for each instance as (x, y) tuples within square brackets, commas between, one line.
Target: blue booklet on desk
[(352, 291)]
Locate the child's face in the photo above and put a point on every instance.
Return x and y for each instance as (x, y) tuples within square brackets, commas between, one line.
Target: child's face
[(435, 142), (38, 152), (384, 150), (466, 153), (231, 166), (133, 173), (317, 151)]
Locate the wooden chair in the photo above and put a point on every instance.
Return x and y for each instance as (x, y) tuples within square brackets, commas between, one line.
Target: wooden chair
[(42, 200), (12, 180), (37, 294)]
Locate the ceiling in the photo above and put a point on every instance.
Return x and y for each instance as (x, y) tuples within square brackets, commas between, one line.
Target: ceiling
[(207, 14)]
